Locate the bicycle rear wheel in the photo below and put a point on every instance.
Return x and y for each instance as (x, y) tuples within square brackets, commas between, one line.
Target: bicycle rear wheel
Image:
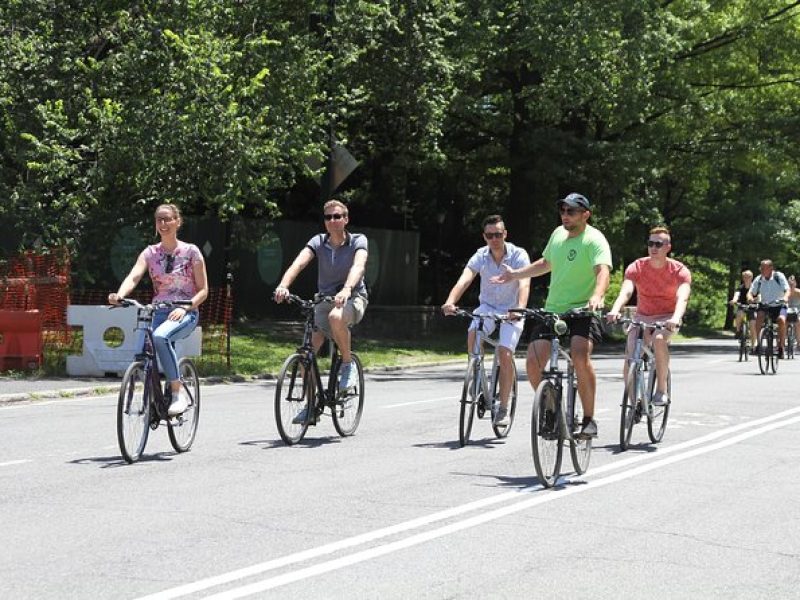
[(502, 430), (764, 346), (580, 449), (470, 394), (183, 428), (348, 406), (294, 393), (743, 336), (630, 399), (546, 435), (133, 411), (658, 415)]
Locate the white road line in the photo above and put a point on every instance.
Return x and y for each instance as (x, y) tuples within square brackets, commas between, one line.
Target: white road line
[(480, 519), (653, 460), (15, 462)]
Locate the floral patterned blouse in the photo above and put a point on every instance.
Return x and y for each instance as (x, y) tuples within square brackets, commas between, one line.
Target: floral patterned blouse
[(172, 273)]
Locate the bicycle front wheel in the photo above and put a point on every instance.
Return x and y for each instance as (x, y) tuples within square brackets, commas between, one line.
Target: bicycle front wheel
[(294, 393), (349, 405), (469, 399), (774, 354), (580, 449), (501, 431), (743, 344), (546, 435), (658, 415), (183, 428), (764, 349), (133, 411), (627, 417)]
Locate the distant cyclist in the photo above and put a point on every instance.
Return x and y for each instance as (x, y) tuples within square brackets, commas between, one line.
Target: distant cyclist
[(578, 258), (178, 272), (495, 298), (341, 264), (662, 287), (771, 287), (739, 299), (793, 310)]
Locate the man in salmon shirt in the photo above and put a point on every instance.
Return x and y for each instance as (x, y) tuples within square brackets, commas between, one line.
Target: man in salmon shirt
[(662, 288)]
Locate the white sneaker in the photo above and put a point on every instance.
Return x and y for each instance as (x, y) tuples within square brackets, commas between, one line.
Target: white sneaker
[(660, 399), (179, 404), (502, 418)]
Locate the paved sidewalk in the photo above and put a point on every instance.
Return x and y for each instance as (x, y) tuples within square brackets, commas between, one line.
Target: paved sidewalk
[(20, 389)]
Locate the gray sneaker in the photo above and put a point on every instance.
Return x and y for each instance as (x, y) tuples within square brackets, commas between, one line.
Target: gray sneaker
[(348, 377), (301, 418), (588, 429), (660, 399), (501, 418)]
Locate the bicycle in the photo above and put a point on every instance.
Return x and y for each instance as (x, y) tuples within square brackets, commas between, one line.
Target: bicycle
[(636, 398), (557, 416), (743, 332), (299, 387), (142, 405), (767, 352), (481, 394)]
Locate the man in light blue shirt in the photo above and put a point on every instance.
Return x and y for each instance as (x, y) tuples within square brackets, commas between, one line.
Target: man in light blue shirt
[(495, 298), (771, 288)]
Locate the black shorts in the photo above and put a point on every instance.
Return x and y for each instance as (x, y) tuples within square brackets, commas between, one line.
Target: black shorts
[(791, 315), (585, 327), (774, 312)]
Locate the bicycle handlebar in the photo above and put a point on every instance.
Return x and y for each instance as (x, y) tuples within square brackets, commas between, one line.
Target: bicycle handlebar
[(155, 305), (295, 299), (546, 315), (460, 312), (658, 325)]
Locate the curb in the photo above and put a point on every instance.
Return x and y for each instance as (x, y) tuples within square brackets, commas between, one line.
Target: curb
[(105, 390)]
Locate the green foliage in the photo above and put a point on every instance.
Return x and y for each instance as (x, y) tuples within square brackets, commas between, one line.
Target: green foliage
[(708, 302), (682, 113)]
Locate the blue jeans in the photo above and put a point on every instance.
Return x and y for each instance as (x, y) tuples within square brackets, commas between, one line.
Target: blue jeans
[(166, 333)]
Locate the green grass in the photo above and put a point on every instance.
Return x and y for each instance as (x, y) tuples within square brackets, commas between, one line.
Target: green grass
[(258, 349)]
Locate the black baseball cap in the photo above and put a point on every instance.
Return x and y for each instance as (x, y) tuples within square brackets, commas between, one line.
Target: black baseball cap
[(575, 200)]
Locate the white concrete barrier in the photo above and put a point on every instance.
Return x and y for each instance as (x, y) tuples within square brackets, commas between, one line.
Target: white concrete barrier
[(99, 359)]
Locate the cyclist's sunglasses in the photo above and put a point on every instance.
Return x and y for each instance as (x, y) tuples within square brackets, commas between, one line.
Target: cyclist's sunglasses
[(567, 210), (169, 260), (493, 235), (655, 244), (335, 216)]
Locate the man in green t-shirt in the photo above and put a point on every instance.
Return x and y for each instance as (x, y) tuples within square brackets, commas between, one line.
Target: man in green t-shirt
[(578, 258)]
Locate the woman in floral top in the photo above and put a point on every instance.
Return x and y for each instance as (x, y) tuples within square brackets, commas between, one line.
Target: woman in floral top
[(178, 272)]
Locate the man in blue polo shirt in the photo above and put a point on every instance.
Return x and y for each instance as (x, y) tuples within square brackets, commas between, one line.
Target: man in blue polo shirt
[(341, 261), (772, 289), (495, 298)]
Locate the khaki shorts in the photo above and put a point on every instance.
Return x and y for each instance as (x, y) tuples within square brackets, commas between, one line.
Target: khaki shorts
[(633, 332), (353, 313)]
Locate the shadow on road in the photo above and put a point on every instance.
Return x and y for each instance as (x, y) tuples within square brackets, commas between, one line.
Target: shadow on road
[(306, 442), (106, 462)]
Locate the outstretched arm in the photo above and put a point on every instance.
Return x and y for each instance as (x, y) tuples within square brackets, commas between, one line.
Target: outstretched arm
[(535, 269)]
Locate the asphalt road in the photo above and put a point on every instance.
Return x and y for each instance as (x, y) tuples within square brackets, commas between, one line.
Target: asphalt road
[(399, 510)]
